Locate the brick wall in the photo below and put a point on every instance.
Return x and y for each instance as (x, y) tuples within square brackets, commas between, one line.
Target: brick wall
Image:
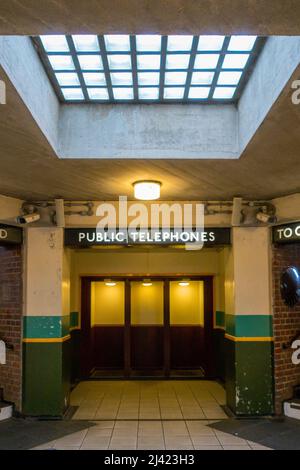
[(11, 321), (286, 324)]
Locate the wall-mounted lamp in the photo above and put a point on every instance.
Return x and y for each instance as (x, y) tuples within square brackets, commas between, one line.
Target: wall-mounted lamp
[(147, 283), (147, 190), (109, 282), (184, 283)]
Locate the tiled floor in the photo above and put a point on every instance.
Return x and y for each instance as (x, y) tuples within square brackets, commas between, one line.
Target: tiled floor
[(149, 415), (149, 400), (151, 435), (146, 415)]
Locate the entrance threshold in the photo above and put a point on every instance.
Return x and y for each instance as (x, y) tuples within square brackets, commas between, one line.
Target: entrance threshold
[(100, 374)]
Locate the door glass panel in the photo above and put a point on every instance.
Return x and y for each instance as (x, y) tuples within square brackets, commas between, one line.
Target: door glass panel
[(187, 303), (107, 303), (147, 303)]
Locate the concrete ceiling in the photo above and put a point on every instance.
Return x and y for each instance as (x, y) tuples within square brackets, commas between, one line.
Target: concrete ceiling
[(267, 17), (269, 167)]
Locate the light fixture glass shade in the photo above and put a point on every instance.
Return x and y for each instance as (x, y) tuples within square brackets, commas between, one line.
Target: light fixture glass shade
[(147, 283), (147, 190), (109, 283), (184, 282)]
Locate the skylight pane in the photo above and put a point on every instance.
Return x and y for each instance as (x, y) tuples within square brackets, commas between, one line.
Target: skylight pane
[(90, 62), (94, 78), (119, 62), (179, 43), (206, 61), (229, 78), (242, 43), (55, 43), (148, 78), (224, 93), (175, 78), (150, 62), (202, 78), (67, 79), (148, 93), (148, 43), (61, 62), (86, 43), (174, 93), (210, 43), (98, 93), (117, 42), (235, 61), (199, 92), (73, 94), (121, 78), (123, 93), (177, 61)]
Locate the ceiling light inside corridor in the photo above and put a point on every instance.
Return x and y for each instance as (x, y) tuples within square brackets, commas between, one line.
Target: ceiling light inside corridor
[(184, 283), (147, 190), (110, 283), (147, 283)]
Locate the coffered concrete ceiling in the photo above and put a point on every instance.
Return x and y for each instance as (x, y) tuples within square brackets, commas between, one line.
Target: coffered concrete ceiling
[(269, 167), (267, 17)]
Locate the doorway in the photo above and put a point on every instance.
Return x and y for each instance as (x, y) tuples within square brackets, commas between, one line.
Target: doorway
[(136, 327)]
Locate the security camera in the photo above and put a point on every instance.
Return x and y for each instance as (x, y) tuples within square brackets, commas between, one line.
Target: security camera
[(265, 218), (28, 218)]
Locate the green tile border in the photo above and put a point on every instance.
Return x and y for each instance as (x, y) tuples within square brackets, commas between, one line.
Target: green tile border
[(219, 319), (74, 319), (249, 326), (46, 326)]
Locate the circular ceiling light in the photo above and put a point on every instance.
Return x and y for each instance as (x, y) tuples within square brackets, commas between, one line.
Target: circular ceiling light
[(109, 283), (184, 283), (147, 190), (147, 283)]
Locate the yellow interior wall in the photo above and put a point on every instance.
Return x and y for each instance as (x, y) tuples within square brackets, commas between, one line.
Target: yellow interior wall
[(187, 303), (107, 304), (147, 304), (123, 262)]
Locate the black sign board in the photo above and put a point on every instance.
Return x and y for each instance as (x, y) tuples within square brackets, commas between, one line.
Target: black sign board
[(85, 237), (287, 233), (10, 235)]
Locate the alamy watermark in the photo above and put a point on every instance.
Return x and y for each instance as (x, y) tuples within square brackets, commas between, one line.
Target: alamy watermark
[(296, 93), (2, 92), (160, 223)]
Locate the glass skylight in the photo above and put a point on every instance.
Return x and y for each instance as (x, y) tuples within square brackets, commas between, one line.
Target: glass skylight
[(67, 79), (61, 62), (179, 43), (86, 43), (117, 42), (241, 43), (123, 93), (177, 61), (148, 67), (148, 43), (98, 94), (90, 62), (119, 62), (148, 93), (55, 43), (210, 43), (94, 78)]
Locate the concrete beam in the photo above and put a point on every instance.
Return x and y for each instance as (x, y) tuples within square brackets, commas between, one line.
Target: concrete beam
[(23, 68), (275, 66), (156, 16), (151, 131)]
